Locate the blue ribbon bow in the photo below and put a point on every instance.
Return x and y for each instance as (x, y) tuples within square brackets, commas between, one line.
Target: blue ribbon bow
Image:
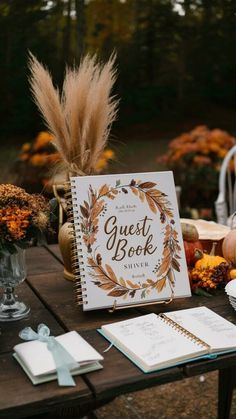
[(63, 360)]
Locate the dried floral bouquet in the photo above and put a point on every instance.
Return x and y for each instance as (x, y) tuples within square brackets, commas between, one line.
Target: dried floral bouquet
[(79, 118)]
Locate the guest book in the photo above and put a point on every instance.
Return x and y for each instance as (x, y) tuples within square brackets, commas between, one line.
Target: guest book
[(155, 342), (38, 362), (128, 241)]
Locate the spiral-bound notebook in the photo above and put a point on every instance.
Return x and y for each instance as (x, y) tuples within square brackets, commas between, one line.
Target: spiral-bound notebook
[(161, 341), (128, 241)]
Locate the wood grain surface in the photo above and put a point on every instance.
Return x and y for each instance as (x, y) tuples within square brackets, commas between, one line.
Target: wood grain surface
[(52, 301)]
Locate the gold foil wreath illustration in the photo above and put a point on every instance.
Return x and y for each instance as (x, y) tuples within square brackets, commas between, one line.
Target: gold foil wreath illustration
[(103, 276)]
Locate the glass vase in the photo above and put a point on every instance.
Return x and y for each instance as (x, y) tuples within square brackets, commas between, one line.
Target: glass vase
[(12, 273)]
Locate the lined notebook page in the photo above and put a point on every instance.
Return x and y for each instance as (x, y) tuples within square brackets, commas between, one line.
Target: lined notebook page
[(213, 329), (151, 341)]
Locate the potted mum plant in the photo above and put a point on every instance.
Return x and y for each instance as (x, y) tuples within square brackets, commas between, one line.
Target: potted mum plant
[(195, 158)]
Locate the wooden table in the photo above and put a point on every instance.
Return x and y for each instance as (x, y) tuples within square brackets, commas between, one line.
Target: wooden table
[(52, 301)]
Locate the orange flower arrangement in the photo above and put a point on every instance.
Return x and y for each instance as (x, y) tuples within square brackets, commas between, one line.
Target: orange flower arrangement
[(210, 278), (23, 218), (195, 158), (36, 159)]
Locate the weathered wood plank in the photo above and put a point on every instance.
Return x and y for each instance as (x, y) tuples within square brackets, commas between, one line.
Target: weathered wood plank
[(220, 299), (38, 314), (39, 260), (55, 251), (59, 296), (120, 375), (20, 398)]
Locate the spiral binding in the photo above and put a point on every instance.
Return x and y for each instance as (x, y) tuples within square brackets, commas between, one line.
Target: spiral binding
[(183, 331), (76, 250)]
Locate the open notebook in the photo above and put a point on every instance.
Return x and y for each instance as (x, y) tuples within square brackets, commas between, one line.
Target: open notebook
[(38, 363), (155, 342)]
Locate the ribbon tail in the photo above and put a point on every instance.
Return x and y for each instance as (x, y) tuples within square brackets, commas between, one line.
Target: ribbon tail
[(64, 377)]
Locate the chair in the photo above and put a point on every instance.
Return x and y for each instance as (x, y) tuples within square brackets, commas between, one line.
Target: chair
[(225, 204)]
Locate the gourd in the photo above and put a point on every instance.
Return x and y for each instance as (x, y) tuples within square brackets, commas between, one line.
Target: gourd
[(191, 242), (229, 245), (205, 260), (189, 232)]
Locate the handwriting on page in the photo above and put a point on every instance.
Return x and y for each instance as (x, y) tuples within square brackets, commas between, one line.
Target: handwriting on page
[(153, 341), (208, 326)]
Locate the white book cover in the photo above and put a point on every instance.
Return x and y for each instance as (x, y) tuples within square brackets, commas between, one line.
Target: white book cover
[(128, 238), (38, 362)]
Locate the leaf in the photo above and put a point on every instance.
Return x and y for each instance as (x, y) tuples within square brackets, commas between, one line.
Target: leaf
[(91, 262), (86, 205), (164, 266), (200, 291), (103, 190), (97, 209), (111, 273), (107, 286), (84, 211), (175, 264), (122, 282), (99, 259), (117, 183), (160, 284), (147, 185), (143, 294), (114, 191), (155, 193), (134, 190), (141, 195), (96, 282), (131, 284), (117, 293), (171, 277), (151, 204), (150, 281), (166, 253), (132, 293)]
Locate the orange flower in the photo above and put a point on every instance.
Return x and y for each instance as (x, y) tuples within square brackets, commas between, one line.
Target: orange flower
[(108, 154), (26, 147), (101, 165), (39, 159), (16, 221), (24, 157), (42, 140)]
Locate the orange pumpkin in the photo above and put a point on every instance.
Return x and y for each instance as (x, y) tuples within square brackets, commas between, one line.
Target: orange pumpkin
[(229, 246)]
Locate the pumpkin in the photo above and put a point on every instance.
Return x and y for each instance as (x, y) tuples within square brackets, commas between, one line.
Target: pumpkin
[(189, 232), (232, 273), (229, 246), (190, 249)]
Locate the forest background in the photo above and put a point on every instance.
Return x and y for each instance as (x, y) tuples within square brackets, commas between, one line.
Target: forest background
[(176, 59), (176, 65)]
